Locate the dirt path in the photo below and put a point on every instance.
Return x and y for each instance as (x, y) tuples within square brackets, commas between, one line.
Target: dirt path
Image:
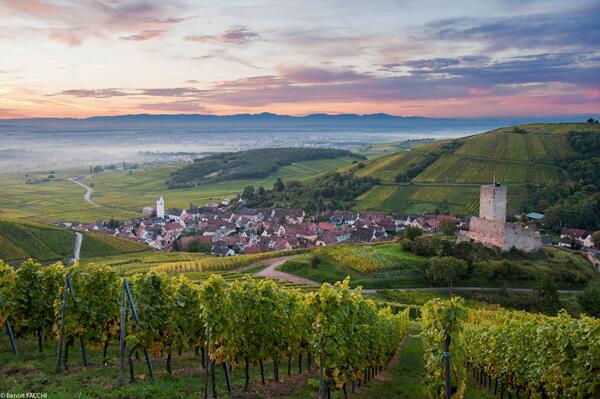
[(88, 191), (77, 249), (271, 272)]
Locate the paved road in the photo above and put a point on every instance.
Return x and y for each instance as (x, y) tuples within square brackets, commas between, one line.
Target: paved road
[(88, 191), (77, 249), (271, 272)]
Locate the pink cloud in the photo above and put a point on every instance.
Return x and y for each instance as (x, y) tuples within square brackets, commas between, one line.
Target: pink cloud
[(143, 35), (239, 36), (479, 91)]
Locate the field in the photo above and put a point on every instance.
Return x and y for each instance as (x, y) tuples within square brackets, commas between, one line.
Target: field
[(370, 266), (21, 240), (516, 158), (122, 194), (386, 265), (98, 244)]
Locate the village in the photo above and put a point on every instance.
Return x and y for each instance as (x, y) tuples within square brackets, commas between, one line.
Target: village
[(223, 230)]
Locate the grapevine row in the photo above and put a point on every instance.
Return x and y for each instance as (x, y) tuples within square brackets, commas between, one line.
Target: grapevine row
[(240, 323), (515, 352)]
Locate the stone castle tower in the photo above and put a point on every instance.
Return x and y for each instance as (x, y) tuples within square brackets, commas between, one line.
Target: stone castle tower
[(492, 202), (491, 228), (160, 207)]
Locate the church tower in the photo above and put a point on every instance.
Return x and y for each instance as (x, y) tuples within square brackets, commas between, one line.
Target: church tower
[(492, 202), (160, 207)]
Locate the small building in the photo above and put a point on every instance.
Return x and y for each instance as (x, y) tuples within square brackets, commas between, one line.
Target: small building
[(537, 217)]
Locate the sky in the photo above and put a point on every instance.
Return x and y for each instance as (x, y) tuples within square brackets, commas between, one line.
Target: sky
[(479, 58)]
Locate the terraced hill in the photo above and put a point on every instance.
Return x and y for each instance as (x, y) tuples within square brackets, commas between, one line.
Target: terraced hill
[(21, 240), (448, 173)]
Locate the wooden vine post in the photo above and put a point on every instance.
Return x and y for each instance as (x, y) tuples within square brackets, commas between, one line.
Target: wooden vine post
[(10, 334), (127, 297), (447, 366), (60, 361)]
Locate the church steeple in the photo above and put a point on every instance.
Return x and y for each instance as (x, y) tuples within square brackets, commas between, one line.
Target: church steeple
[(160, 207)]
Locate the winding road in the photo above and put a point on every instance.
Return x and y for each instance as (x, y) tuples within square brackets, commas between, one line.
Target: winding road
[(271, 272), (88, 191)]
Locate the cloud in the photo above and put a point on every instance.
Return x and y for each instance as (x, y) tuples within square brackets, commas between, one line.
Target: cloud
[(239, 35), (175, 106), (577, 28), (143, 35), (74, 23), (171, 92), (319, 75), (99, 93)]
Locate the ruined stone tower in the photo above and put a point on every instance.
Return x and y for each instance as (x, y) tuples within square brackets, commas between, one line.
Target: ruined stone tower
[(491, 229), (492, 202)]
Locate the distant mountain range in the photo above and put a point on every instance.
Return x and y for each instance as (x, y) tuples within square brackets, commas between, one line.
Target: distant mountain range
[(382, 120)]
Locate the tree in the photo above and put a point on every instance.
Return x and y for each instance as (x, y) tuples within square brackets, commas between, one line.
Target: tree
[(448, 228), (596, 238), (423, 246), (198, 246), (446, 270), (248, 193), (278, 186), (445, 206), (590, 300), (411, 233), (547, 292)]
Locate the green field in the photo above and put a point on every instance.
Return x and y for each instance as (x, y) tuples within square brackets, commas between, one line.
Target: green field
[(122, 194), (403, 269), (517, 158), (20, 240)]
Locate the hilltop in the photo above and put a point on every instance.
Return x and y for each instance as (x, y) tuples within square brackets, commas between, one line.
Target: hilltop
[(446, 174)]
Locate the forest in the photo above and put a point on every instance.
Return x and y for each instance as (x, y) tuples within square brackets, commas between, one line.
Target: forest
[(328, 192), (576, 204), (251, 164)]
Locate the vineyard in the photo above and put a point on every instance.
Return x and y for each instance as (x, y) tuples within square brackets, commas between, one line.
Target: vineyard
[(246, 322), (20, 240), (223, 263), (99, 244), (528, 154), (510, 352), (369, 259)]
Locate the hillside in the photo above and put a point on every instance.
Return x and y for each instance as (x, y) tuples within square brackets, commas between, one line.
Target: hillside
[(98, 244), (20, 240), (251, 164), (447, 174)]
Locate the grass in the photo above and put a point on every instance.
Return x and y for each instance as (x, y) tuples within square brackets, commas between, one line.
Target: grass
[(404, 379), (35, 372), (404, 270), (122, 194)]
